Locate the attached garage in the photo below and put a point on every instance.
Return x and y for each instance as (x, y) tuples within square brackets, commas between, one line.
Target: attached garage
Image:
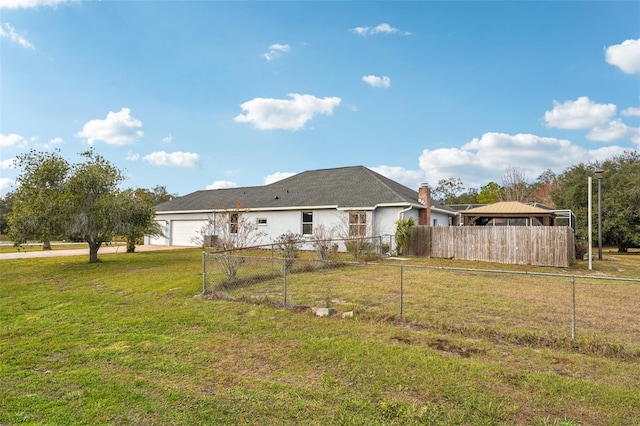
[(185, 232)]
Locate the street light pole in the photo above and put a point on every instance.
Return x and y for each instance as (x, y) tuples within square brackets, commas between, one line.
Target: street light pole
[(599, 172)]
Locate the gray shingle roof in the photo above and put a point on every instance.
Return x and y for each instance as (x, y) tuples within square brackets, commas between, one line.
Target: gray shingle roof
[(343, 187)]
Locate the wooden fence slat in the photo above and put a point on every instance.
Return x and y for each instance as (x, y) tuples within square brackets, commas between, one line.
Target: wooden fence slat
[(520, 245)]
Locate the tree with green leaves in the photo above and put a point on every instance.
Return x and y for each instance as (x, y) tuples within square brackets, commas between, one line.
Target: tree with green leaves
[(6, 204), (139, 216), (621, 201), (620, 194), (40, 201), (489, 194), (470, 196), (97, 209), (160, 194), (571, 193), (82, 201)]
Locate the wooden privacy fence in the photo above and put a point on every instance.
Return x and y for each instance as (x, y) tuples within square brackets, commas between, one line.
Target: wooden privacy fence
[(520, 245)]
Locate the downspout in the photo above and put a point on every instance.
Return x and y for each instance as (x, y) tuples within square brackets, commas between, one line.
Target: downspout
[(400, 216), (403, 211)]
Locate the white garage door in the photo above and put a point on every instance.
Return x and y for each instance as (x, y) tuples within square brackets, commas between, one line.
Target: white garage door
[(183, 232)]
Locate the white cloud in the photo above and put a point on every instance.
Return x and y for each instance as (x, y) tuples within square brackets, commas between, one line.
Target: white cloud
[(625, 56), (631, 112), (5, 185), (275, 50), (285, 114), (486, 158), (375, 81), (378, 29), (167, 139), (222, 184), (12, 140), (17, 4), (275, 177), (8, 31), (612, 131), (119, 128), (132, 156), (7, 164), (579, 114), (175, 159), (50, 143), (409, 178)]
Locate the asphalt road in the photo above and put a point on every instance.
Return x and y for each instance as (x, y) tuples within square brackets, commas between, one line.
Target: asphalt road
[(82, 251)]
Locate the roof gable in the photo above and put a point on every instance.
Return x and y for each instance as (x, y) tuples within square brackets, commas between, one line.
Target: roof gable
[(345, 187)]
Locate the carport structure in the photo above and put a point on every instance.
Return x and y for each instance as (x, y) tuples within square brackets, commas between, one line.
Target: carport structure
[(508, 213)]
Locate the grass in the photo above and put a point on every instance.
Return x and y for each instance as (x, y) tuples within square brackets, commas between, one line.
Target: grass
[(497, 304), (130, 340)]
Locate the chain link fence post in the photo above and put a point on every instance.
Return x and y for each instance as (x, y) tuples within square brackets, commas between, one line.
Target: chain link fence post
[(573, 309), (204, 272), (284, 280), (401, 291)]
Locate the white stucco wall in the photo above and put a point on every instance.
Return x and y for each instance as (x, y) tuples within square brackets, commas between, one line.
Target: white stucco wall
[(439, 219), (380, 221)]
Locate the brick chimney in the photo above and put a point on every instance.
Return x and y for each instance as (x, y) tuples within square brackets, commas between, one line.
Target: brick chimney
[(424, 196)]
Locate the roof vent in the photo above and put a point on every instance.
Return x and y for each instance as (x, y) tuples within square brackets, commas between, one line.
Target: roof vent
[(276, 197)]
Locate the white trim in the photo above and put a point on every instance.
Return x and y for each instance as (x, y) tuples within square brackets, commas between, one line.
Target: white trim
[(287, 208), (448, 212)]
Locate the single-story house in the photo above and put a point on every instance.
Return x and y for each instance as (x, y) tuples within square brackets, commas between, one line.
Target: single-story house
[(356, 197)]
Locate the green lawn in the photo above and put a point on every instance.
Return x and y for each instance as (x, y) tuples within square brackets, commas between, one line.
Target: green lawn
[(131, 340)]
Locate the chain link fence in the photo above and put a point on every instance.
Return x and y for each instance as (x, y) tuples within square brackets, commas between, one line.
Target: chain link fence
[(540, 308)]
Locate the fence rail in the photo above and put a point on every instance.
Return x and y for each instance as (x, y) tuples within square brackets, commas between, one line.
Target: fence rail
[(519, 245), (528, 305)]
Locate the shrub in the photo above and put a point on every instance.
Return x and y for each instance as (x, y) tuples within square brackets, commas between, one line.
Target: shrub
[(582, 248), (403, 233), (288, 245)]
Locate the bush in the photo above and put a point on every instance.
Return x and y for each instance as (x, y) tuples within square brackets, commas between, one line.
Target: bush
[(288, 246), (582, 248), (359, 247), (403, 233)]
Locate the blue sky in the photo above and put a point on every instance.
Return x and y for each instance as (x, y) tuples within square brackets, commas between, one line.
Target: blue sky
[(208, 94)]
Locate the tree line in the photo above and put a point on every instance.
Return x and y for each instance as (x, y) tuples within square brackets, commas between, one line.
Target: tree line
[(56, 200)]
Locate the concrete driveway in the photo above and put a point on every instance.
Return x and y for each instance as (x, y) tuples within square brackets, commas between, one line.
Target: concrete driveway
[(82, 252)]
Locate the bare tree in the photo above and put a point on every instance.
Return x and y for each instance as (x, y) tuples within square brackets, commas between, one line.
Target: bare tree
[(321, 240), (356, 229), (514, 186), (231, 230), (447, 190)]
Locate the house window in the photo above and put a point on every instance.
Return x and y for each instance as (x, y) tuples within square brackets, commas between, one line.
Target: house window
[(233, 223), (357, 224), (307, 223), (262, 221)]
